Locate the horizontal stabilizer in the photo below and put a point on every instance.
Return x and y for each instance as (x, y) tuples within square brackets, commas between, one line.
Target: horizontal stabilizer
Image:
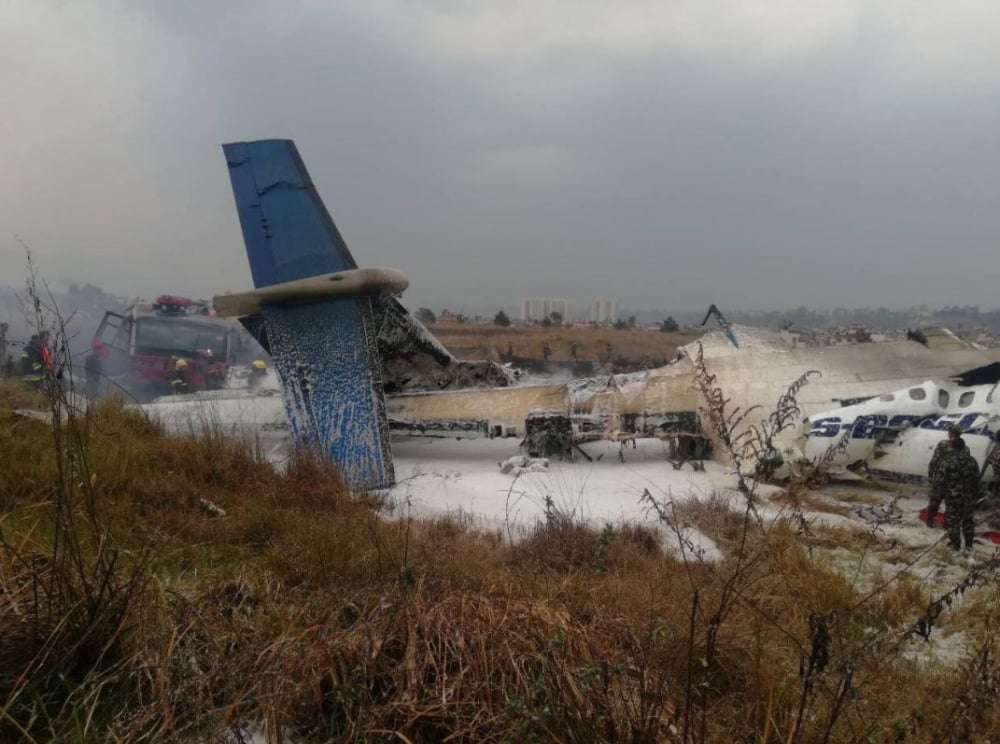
[(338, 284)]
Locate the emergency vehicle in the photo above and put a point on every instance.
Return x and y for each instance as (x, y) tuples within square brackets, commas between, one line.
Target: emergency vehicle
[(145, 342)]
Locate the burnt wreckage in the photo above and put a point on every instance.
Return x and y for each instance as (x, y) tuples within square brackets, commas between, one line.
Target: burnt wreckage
[(354, 364), (412, 359)]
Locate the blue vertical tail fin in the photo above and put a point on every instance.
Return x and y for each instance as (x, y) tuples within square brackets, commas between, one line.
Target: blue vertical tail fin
[(325, 351)]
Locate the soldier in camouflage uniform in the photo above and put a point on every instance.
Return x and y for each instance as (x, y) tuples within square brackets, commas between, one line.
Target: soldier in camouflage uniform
[(942, 454), (960, 473)]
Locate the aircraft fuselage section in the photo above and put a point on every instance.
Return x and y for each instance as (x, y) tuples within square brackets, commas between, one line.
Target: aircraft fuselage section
[(895, 434)]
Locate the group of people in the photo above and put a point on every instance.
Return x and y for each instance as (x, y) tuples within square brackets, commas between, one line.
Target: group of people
[(954, 477), (37, 366), (37, 363), (181, 382)]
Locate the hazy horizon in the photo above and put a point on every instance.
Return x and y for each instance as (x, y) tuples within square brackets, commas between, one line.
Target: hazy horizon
[(755, 155), (581, 310)]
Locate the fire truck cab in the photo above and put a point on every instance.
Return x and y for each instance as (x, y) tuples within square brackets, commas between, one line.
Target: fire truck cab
[(145, 342)]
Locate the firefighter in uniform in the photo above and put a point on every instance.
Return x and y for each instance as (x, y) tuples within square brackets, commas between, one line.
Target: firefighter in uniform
[(31, 362), (258, 371), (179, 382)]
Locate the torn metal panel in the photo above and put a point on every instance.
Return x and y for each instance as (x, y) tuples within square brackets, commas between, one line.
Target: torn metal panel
[(459, 428), (413, 360), (940, 339), (548, 434), (988, 374)]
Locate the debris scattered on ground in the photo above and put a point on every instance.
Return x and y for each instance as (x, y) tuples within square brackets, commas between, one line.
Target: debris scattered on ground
[(211, 508), (548, 433), (524, 464)]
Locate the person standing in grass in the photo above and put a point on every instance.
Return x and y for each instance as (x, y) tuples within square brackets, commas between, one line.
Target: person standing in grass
[(935, 472), (961, 478)]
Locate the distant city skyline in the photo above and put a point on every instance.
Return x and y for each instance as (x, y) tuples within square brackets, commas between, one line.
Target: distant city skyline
[(603, 311), (539, 308), (578, 307)]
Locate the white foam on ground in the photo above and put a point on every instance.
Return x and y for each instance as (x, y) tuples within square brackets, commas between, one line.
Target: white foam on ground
[(461, 477)]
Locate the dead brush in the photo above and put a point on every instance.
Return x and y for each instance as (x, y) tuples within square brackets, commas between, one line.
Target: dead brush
[(460, 668), (976, 706), (70, 600), (317, 484), (67, 627), (560, 541)]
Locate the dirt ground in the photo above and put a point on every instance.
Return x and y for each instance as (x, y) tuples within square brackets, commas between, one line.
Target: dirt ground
[(469, 341)]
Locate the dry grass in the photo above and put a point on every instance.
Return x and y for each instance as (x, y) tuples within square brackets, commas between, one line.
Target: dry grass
[(811, 502), (848, 496), (489, 341), (324, 616)]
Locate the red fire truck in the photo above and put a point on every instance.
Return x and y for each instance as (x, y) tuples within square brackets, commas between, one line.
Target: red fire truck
[(145, 342)]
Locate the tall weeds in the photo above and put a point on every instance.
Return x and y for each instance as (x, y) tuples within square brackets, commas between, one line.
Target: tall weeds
[(130, 612), (846, 643), (70, 597)]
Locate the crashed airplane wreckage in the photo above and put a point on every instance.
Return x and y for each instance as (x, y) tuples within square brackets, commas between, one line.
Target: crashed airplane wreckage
[(893, 435), (878, 407), (334, 331), (355, 365)]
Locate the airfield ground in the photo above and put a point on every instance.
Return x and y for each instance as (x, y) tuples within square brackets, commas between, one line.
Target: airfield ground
[(178, 588)]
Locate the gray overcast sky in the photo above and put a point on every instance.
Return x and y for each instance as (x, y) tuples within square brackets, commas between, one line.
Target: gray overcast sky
[(754, 153)]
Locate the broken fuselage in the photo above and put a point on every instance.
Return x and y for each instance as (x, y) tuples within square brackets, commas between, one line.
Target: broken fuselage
[(894, 434)]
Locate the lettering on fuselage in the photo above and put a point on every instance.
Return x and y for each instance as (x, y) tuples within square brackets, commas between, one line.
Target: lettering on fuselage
[(873, 425)]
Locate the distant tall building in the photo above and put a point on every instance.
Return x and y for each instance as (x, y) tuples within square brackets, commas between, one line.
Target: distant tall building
[(539, 308), (604, 311)]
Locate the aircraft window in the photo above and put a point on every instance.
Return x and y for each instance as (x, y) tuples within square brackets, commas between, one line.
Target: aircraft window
[(917, 393), (888, 398), (943, 398), (966, 399)]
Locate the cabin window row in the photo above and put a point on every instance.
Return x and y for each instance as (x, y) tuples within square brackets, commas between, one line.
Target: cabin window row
[(964, 401)]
